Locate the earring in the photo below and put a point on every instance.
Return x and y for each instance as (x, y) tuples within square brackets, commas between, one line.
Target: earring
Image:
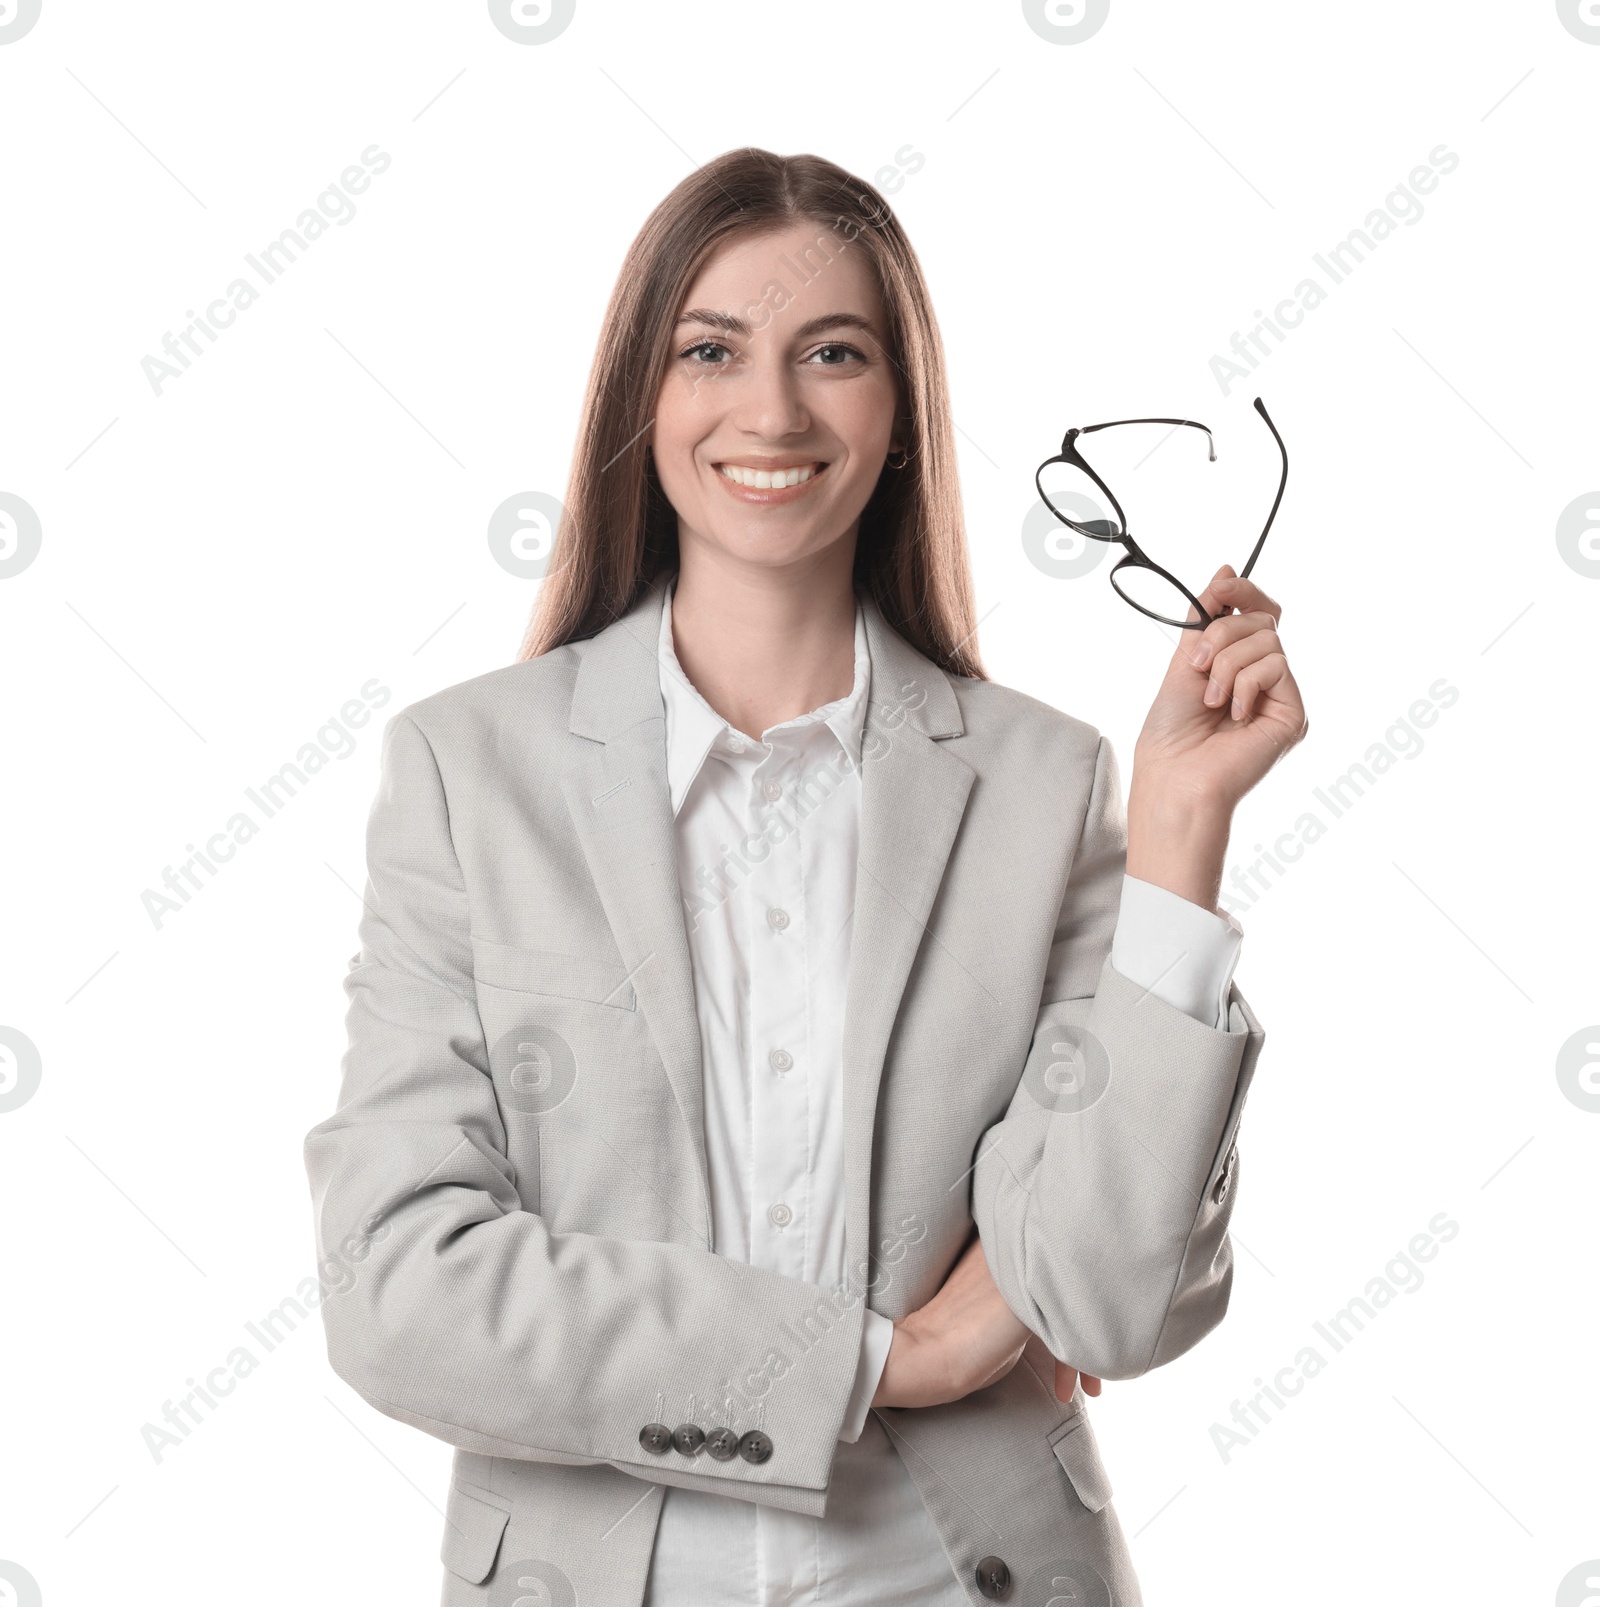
[(890, 463)]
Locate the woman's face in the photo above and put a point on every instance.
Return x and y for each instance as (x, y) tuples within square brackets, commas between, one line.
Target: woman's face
[(779, 403)]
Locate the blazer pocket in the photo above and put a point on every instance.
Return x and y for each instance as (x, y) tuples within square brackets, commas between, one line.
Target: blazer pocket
[(472, 1531), (1076, 1451), (565, 976)]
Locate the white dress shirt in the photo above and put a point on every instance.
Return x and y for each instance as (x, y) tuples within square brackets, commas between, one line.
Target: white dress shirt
[(767, 837)]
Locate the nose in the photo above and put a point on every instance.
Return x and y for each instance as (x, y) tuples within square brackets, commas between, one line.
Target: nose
[(770, 402)]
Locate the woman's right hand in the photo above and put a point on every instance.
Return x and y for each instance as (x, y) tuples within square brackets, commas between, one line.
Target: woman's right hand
[(964, 1339)]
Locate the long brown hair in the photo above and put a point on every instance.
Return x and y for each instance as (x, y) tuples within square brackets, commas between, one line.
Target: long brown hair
[(619, 532)]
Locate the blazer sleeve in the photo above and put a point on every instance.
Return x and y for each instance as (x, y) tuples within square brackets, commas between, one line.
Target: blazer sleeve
[(1103, 1196), (462, 1313)]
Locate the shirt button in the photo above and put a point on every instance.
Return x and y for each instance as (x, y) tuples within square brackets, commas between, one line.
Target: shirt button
[(771, 791), (779, 1215), (780, 1060), (777, 919), (737, 744)]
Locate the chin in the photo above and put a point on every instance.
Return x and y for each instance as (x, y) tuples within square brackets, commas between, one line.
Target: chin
[(761, 544)]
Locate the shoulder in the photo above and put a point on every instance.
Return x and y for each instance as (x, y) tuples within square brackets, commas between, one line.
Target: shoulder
[(1001, 719), (977, 718), (516, 704)]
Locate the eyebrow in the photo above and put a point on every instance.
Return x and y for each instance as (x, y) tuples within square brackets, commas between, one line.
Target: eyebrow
[(730, 324)]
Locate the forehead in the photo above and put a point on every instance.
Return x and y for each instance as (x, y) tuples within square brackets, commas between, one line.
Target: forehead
[(801, 269)]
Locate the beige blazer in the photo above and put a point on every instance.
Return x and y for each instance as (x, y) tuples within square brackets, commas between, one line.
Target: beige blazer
[(511, 1198)]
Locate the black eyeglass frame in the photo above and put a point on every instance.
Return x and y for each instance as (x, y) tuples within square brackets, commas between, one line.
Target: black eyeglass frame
[(1135, 557)]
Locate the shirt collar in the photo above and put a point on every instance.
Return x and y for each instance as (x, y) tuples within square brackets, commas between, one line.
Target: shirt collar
[(694, 727)]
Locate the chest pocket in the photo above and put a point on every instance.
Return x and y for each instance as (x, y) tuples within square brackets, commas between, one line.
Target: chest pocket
[(546, 971)]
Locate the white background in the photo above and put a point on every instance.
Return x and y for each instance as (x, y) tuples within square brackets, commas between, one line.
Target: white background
[(225, 564)]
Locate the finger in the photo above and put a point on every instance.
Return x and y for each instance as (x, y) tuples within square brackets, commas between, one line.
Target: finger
[(1213, 600), (1268, 678), (1220, 633), (1066, 1381), (1091, 1384), (1257, 679), (1237, 592), (1237, 656)]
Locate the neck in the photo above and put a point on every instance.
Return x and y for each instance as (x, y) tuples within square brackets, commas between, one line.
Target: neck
[(765, 644)]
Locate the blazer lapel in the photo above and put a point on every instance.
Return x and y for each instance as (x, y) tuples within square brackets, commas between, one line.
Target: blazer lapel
[(913, 795), (616, 791)]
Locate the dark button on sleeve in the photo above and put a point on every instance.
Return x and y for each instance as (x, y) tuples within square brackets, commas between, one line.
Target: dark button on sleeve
[(656, 1438), (688, 1438), (1219, 1190), (755, 1446), (722, 1443)]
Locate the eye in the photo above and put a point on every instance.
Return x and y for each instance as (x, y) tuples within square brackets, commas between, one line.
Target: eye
[(836, 354), (702, 352)]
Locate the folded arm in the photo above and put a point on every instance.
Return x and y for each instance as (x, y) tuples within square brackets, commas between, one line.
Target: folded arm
[(1100, 1197)]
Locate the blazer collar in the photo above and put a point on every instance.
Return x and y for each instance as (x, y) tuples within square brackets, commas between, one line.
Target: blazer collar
[(694, 728), (618, 682)]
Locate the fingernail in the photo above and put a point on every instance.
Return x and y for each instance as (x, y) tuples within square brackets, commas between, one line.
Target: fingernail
[(1201, 656), (1213, 692), (1238, 709)]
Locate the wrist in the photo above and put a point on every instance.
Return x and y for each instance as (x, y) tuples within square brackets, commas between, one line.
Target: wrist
[(891, 1379), (1178, 844)]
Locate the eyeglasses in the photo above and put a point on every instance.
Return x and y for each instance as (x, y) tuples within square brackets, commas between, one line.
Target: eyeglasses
[(1153, 583)]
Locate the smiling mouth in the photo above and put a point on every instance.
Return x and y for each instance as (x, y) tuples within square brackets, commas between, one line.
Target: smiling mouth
[(770, 479)]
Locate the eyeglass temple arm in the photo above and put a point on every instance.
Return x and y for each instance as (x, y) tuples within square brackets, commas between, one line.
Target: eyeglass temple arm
[(1070, 454), (1211, 448), (1283, 480)]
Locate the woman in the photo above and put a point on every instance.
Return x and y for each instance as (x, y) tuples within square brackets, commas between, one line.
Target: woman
[(775, 1068)]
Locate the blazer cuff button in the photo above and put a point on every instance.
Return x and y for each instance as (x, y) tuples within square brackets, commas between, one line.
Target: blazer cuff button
[(688, 1438), (1224, 1181), (722, 1443), (755, 1446), (656, 1438)]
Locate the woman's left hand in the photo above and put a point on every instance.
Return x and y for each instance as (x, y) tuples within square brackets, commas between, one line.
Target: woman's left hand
[(1228, 709)]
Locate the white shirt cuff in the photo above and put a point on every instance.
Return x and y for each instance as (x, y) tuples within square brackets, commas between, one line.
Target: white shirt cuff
[(876, 1334), (1180, 952)]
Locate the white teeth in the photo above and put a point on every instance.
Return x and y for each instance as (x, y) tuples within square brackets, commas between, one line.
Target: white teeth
[(765, 479)]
